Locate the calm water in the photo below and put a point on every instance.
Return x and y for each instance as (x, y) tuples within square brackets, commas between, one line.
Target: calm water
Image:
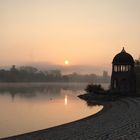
[(30, 107)]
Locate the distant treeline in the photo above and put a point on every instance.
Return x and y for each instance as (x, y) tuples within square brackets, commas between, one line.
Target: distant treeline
[(32, 74)]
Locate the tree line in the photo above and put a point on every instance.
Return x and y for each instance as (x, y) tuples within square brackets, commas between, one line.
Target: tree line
[(32, 74)]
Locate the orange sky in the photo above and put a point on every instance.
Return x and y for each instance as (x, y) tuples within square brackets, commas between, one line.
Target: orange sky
[(86, 32)]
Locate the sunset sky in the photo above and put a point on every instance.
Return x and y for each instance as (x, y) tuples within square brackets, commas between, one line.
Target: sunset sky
[(84, 32)]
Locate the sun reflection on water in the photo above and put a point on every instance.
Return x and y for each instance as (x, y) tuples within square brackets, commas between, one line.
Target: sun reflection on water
[(66, 99)]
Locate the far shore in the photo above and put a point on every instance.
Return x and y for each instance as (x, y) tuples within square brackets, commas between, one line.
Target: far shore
[(38, 84), (118, 120)]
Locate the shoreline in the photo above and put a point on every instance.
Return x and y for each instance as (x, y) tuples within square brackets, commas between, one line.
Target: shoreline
[(118, 120), (42, 84)]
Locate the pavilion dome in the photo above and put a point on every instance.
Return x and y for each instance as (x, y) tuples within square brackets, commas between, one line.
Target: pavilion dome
[(123, 58)]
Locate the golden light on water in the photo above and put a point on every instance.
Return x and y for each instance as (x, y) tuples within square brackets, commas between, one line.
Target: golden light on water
[(66, 99)]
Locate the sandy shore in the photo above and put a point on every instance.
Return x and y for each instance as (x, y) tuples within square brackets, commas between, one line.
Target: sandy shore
[(119, 120)]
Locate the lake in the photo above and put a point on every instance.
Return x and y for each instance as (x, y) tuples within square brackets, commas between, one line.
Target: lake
[(33, 106)]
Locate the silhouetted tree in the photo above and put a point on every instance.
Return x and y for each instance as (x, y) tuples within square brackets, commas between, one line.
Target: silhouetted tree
[(94, 88), (28, 69)]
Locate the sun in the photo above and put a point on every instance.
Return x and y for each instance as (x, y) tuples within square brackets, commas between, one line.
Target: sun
[(66, 62)]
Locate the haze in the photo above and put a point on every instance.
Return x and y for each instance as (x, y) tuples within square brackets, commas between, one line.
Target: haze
[(84, 32)]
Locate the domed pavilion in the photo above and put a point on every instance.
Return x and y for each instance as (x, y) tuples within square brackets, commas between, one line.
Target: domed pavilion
[(123, 75)]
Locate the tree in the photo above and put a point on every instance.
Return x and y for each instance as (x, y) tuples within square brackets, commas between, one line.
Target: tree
[(137, 61), (94, 88), (28, 69)]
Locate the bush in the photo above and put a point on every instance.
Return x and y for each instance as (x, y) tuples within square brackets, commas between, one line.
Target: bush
[(94, 88)]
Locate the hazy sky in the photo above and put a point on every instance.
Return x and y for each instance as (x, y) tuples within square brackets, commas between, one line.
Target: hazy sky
[(86, 32)]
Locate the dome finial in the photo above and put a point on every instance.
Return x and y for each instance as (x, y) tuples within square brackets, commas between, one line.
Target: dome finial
[(123, 50)]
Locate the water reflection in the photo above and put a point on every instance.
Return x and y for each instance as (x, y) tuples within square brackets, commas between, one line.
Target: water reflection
[(29, 92), (25, 108), (66, 100)]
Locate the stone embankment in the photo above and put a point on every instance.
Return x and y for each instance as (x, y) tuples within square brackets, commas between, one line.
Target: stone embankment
[(121, 121)]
